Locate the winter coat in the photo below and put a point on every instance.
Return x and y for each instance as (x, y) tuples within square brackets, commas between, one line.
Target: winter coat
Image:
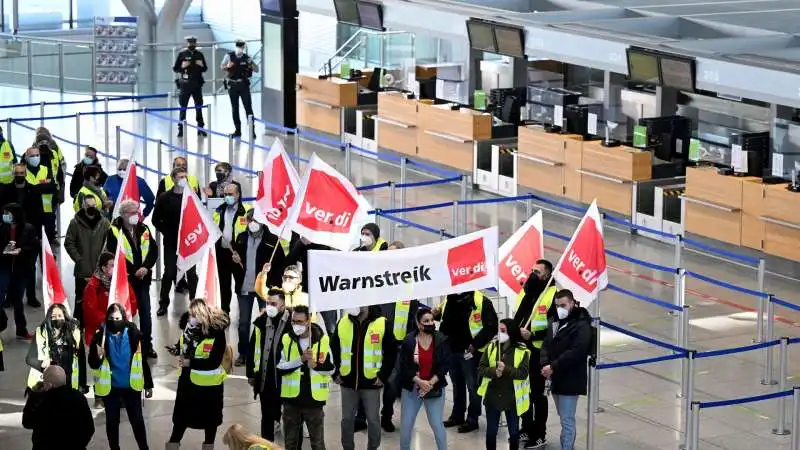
[(85, 242), (566, 351)]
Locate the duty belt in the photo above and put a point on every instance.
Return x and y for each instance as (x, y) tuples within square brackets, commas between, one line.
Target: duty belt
[(240, 80)]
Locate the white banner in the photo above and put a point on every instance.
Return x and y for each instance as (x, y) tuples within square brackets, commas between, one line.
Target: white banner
[(339, 280)]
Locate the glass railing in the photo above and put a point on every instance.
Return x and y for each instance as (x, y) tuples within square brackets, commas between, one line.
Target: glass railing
[(67, 65), (391, 50)]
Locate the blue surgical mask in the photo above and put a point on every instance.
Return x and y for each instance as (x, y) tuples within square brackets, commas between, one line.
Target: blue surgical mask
[(230, 200), (7, 218), (87, 160), (33, 161)]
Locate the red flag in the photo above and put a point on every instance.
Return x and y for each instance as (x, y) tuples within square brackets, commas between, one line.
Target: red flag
[(518, 255), (582, 267), (329, 209), (129, 189), (196, 232), (208, 279), (277, 189), (52, 289), (120, 291)]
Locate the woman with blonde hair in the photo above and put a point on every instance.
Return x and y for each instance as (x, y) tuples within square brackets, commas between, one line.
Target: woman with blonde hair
[(237, 438), (201, 354)]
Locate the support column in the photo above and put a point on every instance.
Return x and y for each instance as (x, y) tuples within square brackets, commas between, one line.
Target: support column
[(170, 21), (144, 10)]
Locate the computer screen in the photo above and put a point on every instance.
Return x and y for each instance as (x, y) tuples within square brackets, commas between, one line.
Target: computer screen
[(510, 41), (273, 6), (370, 15), (481, 36), (346, 11), (643, 67), (678, 73)]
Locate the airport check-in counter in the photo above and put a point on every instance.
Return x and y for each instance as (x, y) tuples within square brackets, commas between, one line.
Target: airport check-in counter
[(320, 102)]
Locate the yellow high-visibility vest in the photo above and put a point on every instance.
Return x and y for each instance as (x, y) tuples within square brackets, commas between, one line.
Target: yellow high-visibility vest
[(522, 388), (539, 312), (320, 383), (38, 178), (43, 354), (213, 377), (239, 226), (99, 200), (144, 243), (102, 383), (191, 181), (373, 346), (400, 325), (7, 160), (476, 318), (378, 243)]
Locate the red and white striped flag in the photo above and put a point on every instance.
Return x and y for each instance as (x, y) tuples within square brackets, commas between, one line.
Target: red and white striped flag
[(208, 279), (120, 291), (129, 189), (52, 287)]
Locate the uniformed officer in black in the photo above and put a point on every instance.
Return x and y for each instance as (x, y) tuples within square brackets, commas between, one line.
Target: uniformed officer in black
[(239, 67), (190, 66)]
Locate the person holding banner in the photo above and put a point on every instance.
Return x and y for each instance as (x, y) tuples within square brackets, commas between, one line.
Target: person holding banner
[(371, 240), (20, 246), (298, 256), (535, 312), (121, 374), (231, 218), (58, 343), (141, 255), (564, 357), (469, 321), (362, 375)]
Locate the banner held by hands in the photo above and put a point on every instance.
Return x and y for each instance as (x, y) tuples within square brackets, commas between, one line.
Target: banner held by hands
[(52, 287), (196, 232)]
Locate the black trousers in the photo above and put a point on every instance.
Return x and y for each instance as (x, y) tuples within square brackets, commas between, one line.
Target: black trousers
[(195, 92), (236, 91), (534, 420), (133, 405), (170, 275), (80, 286), (270, 399), (225, 272)]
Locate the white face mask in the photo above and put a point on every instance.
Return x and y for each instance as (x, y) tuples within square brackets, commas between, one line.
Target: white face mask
[(354, 311), (121, 173), (134, 219), (562, 313), (182, 183), (239, 51), (299, 330), (192, 322), (254, 227), (502, 337), (272, 311), (366, 240), (289, 286)]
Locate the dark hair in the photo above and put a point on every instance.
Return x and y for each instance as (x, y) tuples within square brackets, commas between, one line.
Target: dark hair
[(44, 147), (113, 308), (90, 171), (422, 311), (277, 292), (301, 309), (92, 149), (177, 171), (547, 264), (105, 257), (565, 293), (224, 166), (17, 216), (514, 335)]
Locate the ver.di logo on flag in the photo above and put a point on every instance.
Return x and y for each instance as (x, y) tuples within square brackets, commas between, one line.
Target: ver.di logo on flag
[(466, 262)]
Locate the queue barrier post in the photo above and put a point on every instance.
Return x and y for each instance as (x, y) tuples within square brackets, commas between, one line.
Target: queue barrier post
[(762, 268), (694, 421), (78, 136), (118, 144), (146, 136), (590, 413), (769, 333), (783, 369), (688, 398), (678, 258), (594, 387), (466, 180), (9, 122), (230, 150), (795, 418), (392, 196), (208, 137), (252, 148), (41, 113), (184, 144), (61, 68), (159, 146), (403, 180), (528, 209), (348, 155), (296, 140), (106, 126), (455, 218)]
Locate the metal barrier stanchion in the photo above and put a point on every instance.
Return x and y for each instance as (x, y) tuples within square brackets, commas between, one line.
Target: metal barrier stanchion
[(159, 146), (392, 194), (78, 136), (590, 418), (694, 421), (41, 114), (209, 137), (795, 418), (296, 140), (528, 209), (230, 151), (146, 135), (769, 335), (762, 270), (688, 398), (184, 144), (594, 394), (9, 122), (252, 148), (118, 144), (783, 370), (403, 180), (106, 126), (455, 218), (465, 182), (348, 156), (678, 261), (61, 67)]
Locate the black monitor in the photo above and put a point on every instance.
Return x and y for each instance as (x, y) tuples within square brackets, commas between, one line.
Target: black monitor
[(643, 66), (347, 11), (510, 41), (370, 15), (677, 72), (271, 6), (481, 35)]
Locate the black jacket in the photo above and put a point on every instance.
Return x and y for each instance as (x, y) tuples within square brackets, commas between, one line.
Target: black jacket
[(299, 254), (166, 218), (455, 322), (324, 364), (79, 350), (29, 198), (213, 187), (388, 311), (267, 378), (409, 369), (134, 240), (76, 183), (194, 71), (533, 288), (134, 337), (355, 379), (240, 213), (59, 418), (28, 241), (566, 352), (263, 252)]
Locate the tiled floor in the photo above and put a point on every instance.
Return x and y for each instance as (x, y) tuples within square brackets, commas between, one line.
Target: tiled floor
[(641, 408)]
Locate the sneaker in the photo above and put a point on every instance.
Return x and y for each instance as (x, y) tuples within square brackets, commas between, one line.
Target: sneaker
[(453, 422), (387, 425), (27, 336), (240, 361), (523, 437), (538, 443), (33, 303), (180, 132), (236, 134), (162, 311), (468, 427), (201, 133), (151, 354)]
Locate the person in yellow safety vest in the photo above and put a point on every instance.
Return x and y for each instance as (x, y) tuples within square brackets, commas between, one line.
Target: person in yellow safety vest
[(168, 182), (364, 351), (40, 178), (306, 367), (231, 218), (535, 311), (92, 188), (504, 383), (199, 397), (237, 438), (57, 341), (121, 374), (263, 357), (469, 321), (291, 287), (371, 240), (53, 158), (8, 159)]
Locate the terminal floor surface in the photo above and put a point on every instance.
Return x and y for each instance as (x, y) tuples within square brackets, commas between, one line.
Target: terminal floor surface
[(641, 407)]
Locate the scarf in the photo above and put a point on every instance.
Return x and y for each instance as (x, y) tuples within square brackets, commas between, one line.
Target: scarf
[(103, 278), (220, 193)]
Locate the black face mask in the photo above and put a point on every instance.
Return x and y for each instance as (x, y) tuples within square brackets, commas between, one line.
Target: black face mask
[(114, 326), (220, 176), (192, 47), (57, 323), (429, 329), (91, 211), (19, 179)]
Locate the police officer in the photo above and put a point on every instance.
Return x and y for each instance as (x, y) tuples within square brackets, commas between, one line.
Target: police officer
[(190, 66), (240, 67)]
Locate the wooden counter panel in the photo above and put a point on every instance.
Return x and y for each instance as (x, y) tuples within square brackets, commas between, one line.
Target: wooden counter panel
[(444, 151), (399, 139), (752, 231), (714, 223), (468, 126), (706, 184), (612, 196), (752, 210), (536, 142), (542, 177), (781, 204), (624, 163), (782, 241), (573, 158), (333, 91), (397, 107), (319, 117)]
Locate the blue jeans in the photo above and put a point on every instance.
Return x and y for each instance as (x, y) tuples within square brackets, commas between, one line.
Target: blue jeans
[(410, 403), (245, 316), (13, 293), (493, 423), (566, 405), (464, 374)]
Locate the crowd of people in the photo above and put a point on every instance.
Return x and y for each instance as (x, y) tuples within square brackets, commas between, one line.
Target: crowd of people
[(291, 354)]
